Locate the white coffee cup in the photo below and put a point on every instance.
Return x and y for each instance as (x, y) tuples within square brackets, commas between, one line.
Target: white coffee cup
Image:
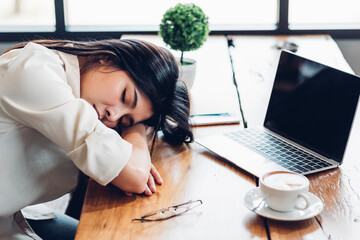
[(283, 191)]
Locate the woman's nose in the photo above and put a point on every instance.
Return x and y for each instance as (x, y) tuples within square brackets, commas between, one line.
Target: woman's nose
[(113, 114)]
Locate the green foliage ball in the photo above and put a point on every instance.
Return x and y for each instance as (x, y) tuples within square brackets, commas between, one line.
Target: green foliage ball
[(184, 27)]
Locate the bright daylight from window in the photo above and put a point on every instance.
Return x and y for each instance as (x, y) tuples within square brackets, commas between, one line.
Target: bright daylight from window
[(324, 14), (27, 15), (146, 15)]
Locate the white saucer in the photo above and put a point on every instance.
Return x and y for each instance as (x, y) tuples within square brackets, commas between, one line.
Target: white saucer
[(254, 196)]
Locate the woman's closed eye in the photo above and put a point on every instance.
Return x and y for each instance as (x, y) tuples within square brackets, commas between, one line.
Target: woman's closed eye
[(123, 96)]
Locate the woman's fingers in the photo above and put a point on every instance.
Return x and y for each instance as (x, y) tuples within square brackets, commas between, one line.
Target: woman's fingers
[(151, 183), (154, 176), (147, 191), (154, 172), (150, 188)]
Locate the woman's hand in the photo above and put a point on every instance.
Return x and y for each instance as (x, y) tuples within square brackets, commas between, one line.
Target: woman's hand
[(154, 177)]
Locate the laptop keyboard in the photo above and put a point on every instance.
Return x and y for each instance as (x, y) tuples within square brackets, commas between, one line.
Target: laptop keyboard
[(278, 151)]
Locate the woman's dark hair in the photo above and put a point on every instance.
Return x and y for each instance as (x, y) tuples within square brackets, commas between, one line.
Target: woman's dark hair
[(153, 69)]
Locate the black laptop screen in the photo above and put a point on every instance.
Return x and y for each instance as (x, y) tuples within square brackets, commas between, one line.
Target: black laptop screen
[(313, 105)]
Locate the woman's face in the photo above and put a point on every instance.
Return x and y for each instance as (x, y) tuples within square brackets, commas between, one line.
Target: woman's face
[(115, 97)]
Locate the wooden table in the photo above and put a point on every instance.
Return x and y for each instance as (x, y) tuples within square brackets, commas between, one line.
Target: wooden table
[(191, 173)]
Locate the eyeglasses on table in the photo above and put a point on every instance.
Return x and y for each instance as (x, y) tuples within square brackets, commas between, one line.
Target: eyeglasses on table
[(169, 212)]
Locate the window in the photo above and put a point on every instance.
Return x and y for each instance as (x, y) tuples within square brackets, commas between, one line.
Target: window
[(145, 15), (27, 16), (324, 14), (82, 19)]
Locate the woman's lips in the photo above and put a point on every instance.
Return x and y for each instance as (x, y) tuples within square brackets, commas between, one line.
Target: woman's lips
[(97, 111)]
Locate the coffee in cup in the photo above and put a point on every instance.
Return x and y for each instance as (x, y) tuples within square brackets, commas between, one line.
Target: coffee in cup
[(283, 191)]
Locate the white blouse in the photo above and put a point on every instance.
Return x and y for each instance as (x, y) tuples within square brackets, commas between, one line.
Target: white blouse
[(47, 133)]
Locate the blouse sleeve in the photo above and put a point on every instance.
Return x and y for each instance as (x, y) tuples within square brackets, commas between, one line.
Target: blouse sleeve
[(34, 93)]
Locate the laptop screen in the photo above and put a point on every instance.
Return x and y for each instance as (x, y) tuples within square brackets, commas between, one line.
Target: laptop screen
[(313, 105)]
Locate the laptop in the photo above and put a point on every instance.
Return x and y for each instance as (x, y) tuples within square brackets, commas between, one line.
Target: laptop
[(307, 123)]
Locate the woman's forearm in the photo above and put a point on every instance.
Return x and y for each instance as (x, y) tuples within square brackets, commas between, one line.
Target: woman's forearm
[(134, 176)]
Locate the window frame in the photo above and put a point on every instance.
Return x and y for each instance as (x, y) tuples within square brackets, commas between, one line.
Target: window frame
[(62, 33)]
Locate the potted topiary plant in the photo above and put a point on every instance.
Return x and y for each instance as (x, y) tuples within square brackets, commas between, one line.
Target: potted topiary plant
[(184, 28)]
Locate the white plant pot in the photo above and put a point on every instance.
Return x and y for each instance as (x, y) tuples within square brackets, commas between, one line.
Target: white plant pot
[(187, 72)]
